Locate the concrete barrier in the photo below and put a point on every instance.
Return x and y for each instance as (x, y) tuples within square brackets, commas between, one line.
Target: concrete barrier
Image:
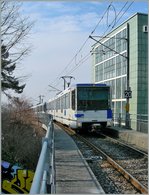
[(138, 139)]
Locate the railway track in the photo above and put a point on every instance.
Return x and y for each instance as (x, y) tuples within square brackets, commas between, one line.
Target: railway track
[(125, 144), (132, 164)]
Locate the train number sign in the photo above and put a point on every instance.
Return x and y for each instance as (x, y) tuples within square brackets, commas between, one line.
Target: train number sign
[(128, 94)]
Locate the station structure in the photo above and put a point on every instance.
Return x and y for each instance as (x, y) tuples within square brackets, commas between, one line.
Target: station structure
[(120, 59)]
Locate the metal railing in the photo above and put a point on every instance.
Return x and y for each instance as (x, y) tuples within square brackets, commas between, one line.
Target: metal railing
[(44, 178), (138, 122)]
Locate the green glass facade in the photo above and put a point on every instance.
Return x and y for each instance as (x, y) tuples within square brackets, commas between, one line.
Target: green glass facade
[(110, 66)]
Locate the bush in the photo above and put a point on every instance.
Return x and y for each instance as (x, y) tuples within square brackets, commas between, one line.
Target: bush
[(21, 134)]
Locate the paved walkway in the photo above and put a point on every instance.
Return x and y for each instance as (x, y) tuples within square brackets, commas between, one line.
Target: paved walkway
[(73, 175)]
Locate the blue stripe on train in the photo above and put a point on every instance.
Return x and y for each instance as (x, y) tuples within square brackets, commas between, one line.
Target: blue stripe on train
[(109, 113), (79, 115)]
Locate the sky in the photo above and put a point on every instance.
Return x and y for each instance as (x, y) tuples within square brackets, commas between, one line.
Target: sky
[(60, 43)]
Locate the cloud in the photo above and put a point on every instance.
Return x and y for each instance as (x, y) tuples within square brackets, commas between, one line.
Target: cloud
[(60, 30), (51, 56)]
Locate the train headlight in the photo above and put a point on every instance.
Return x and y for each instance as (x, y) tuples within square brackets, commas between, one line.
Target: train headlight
[(79, 124)]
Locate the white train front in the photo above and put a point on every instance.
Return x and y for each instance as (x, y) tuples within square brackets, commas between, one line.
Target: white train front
[(82, 105)]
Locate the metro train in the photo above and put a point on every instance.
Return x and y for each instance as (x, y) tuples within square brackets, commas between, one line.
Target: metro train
[(40, 108), (82, 106)]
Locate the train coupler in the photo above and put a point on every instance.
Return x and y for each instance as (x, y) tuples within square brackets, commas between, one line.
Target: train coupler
[(96, 127)]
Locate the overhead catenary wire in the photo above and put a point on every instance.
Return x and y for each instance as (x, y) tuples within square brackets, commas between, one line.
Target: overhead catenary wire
[(108, 25), (121, 11), (116, 16), (79, 63), (76, 66), (115, 19), (75, 56), (101, 19), (108, 15), (125, 10), (84, 43)]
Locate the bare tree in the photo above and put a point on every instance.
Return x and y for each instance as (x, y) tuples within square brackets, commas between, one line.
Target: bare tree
[(15, 28), (21, 133)]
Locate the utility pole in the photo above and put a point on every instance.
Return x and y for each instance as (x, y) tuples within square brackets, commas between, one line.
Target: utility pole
[(65, 82), (128, 92), (127, 118), (41, 99)]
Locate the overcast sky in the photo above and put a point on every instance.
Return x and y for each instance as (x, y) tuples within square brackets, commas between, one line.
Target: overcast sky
[(61, 30)]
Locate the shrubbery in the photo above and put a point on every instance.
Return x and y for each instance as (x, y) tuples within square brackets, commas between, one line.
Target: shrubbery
[(21, 134)]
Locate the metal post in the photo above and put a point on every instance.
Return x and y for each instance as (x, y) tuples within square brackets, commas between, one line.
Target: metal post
[(127, 118), (68, 83), (139, 121), (64, 82), (127, 122), (119, 120), (41, 99), (70, 77)]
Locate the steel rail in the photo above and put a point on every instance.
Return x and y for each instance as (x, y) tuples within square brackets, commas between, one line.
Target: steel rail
[(124, 144), (118, 167), (128, 176)]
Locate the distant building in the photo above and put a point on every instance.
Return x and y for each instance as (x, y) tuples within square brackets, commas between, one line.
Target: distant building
[(111, 67)]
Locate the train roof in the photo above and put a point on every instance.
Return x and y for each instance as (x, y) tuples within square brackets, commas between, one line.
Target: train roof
[(90, 85), (39, 104), (79, 85)]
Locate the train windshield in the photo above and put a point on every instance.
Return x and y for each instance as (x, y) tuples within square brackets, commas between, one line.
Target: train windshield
[(93, 98)]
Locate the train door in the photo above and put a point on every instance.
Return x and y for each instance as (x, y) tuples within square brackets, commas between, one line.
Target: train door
[(73, 97)]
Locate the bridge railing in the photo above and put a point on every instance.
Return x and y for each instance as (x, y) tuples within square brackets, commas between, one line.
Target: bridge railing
[(44, 178)]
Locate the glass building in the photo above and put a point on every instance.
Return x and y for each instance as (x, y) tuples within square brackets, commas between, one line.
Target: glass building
[(120, 59)]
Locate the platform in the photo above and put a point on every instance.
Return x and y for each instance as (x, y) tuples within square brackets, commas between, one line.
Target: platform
[(138, 139), (73, 175)]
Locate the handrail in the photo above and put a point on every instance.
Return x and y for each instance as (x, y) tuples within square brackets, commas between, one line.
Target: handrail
[(138, 122), (45, 167)]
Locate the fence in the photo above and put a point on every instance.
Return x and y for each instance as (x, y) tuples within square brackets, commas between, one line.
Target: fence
[(44, 178), (138, 122)]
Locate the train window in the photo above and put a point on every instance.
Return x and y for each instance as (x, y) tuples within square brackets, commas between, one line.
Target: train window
[(64, 101), (62, 104), (73, 100), (66, 97), (58, 103), (45, 107), (51, 106), (67, 100), (93, 98)]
